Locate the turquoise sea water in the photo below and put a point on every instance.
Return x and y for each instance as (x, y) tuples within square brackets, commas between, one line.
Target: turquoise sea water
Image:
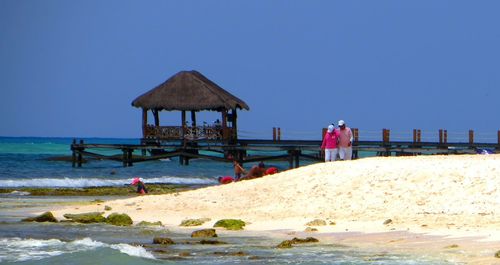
[(24, 162)]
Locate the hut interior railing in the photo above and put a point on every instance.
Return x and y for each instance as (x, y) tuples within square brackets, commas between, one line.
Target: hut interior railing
[(205, 132)]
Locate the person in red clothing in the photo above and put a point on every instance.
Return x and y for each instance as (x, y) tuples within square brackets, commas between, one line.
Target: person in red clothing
[(329, 144), (271, 171), (225, 179), (141, 188)]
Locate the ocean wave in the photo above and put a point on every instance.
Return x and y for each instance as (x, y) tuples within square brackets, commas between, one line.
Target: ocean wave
[(99, 182), (18, 249)]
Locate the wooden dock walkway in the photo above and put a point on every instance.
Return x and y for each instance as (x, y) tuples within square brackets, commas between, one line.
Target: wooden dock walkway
[(255, 150)]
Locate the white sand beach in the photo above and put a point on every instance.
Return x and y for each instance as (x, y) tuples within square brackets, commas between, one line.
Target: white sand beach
[(455, 198)]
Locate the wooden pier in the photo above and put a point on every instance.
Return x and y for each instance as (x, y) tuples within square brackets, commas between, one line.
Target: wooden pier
[(276, 149), (192, 92)]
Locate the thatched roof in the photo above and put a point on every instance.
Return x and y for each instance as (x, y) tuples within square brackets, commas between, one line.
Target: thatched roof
[(188, 90)]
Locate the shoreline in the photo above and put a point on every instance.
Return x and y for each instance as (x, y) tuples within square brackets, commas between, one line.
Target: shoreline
[(453, 198)]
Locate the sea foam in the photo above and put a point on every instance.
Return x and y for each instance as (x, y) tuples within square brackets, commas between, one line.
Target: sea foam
[(98, 182), (17, 249)]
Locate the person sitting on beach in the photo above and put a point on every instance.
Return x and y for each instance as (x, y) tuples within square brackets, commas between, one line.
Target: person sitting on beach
[(329, 144), (141, 188), (225, 179), (238, 170), (256, 171)]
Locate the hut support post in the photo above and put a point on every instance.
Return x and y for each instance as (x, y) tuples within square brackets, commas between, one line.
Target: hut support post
[(274, 134), (225, 134), (183, 117), (234, 119), (279, 134), (156, 114), (193, 118), (144, 122), (498, 136)]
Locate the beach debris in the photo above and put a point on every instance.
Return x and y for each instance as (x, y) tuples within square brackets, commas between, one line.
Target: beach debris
[(86, 218), (316, 222), (332, 223), (97, 201), (497, 254), (230, 224), (107, 208), (44, 217), (388, 221), (163, 241), (145, 223), (204, 233), (311, 229), (194, 222), (119, 219), (296, 240)]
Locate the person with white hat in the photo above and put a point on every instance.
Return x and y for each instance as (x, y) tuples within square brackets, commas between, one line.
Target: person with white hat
[(345, 141), (329, 144)]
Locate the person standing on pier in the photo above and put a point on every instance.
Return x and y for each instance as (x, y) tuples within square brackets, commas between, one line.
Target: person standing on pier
[(330, 141), (345, 141)]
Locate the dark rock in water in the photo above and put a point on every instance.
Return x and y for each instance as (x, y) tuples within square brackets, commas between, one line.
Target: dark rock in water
[(119, 219), (144, 223), (285, 244), (236, 254), (204, 233), (163, 241), (44, 217), (388, 221), (212, 242), (311, 229), (86, 218), (296, 240), (317, 222), (230, 224), (194, 222)]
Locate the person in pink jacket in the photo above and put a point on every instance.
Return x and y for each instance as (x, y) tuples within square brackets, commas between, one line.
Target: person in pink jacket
[(330, 141)]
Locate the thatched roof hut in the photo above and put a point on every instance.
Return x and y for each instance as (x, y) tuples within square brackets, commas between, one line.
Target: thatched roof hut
[(189, 91)]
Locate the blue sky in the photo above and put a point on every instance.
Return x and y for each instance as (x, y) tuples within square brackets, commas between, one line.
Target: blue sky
[(72, 68)]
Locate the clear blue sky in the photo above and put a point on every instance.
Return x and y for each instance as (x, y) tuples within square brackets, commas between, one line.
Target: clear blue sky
[(72, 68)]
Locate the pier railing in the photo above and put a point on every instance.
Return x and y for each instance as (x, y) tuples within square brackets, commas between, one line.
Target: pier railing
[(245, 149)]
